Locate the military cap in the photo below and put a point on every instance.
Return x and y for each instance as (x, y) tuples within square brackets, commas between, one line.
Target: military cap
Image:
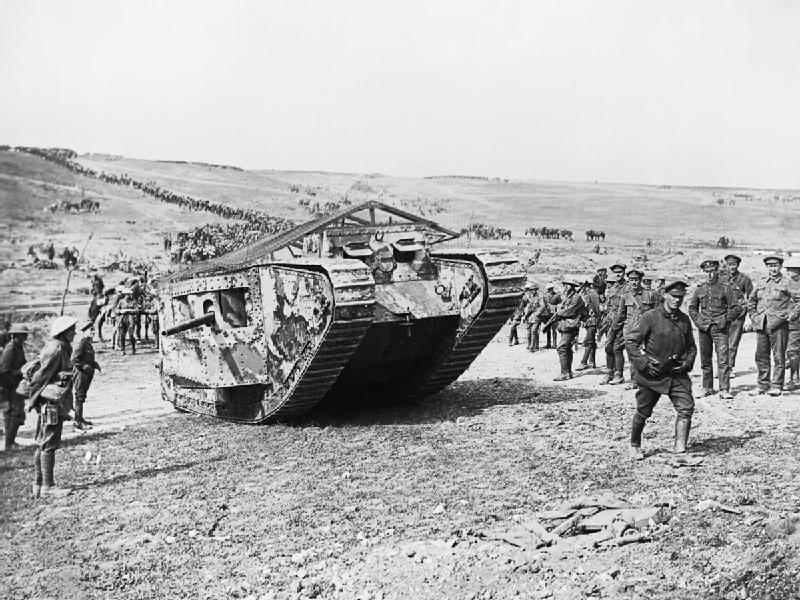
[(62, 324), (602, 269), (676, 287), (635, 273), (570, 281), (709, 262), (620, 266), (738, 259), (550, 286), (18, 328), (531, 286), (773, 258), (792, 263), (647, 278)]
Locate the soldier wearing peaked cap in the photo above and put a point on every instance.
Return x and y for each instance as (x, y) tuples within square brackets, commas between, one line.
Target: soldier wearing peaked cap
[(745, 286), (615, 341), (591, 319), (544, 309), (714, 305), (772, 305), (11, 363), (662, 347), (84, 366), (568, 319), (633, 304)]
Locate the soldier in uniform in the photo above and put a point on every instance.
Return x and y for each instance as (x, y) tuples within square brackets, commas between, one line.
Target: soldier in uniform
[(772, 305), (715, 304), (469, 292), (591, 318), (516, 319), (615, 342), (126, 309), (599, 280), (662, 347), (647, 282), (84, 366), (793, 346), (568, 320), (11, 362), (633, 304), (547, 308), (745, 286), (54, 369)]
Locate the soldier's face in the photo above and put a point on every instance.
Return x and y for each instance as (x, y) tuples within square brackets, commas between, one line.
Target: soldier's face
[(774, 269), (636, 282), (672, 303), (733, 266), (711, 274)]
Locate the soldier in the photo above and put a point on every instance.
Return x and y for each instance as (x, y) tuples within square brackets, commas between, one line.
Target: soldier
[(5, 333), (662, 347), (529, 316), (633, 304), (125, 310), (469, 292), (568, 320), (547, 308), (591, 318), (647, 282), (615, 342), (772, 305), (793, 346), (54, 371), (97, 285), (715, 304), (516, 319), (83, 368), (599, 280), (11, 363), (745, 285)]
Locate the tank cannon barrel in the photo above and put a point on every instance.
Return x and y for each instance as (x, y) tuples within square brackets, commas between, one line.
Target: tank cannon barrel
[(206, 319)]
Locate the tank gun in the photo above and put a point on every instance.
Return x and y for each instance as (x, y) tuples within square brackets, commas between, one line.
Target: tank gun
[(207, 319)]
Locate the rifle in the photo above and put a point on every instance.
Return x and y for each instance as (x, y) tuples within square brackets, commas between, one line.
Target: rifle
[(550, 322)]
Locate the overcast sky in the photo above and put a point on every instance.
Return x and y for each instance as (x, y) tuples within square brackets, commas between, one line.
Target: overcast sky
[(676, 92)]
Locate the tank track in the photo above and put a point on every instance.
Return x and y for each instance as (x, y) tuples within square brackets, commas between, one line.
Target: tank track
[(354, 298), (505, 279)]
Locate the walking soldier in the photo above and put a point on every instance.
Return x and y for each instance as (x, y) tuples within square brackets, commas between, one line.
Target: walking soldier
[(715, 304), (662, 347), (632, 305), (773, 304), (745, 285), (615, 341), (11, 363), (568, 320)]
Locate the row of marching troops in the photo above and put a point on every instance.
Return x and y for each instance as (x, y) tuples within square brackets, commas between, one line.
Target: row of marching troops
[(647, 323)]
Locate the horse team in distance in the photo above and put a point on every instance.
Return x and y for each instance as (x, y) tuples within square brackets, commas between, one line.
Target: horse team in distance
[(595, 236), (550, 233)]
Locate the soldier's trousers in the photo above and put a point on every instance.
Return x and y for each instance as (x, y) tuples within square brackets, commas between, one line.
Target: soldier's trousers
[(793, 349), (734, 337), (81, 380), (123, 331), (565, 349), (715, 339), (15, 413), (615, 357), (48, 437), (680, 393), (137, 327), (771, 342), (533, 334), (590, 337), (513, 336)]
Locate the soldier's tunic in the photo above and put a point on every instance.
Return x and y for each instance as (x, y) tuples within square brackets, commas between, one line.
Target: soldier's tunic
[(736, 327), (83, 368), (126, 311), (54, 359), (11, 362), (516, 319), (713, 307), (793, 345), (773, 303), (591, 319), (546, 309), (633, 304), (530, 319)]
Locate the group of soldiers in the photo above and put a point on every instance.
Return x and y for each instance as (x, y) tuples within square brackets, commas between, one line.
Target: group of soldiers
[(642, 317)]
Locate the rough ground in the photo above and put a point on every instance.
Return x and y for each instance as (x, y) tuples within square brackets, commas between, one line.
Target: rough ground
[(385, 502)]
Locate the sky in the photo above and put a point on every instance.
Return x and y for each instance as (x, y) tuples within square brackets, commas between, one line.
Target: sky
[(672, 92)]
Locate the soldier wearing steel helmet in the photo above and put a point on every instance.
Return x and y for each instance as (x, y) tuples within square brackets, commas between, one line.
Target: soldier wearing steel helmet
[(714, 305), (792, 266), (568, 320), (772, 305), (11, 363)]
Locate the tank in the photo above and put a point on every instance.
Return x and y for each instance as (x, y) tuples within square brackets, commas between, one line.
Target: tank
[(355, 306)]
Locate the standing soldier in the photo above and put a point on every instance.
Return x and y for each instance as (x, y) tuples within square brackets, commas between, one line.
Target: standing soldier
[(715, 304), (633, 304), (793, 346), (591, 318), (469, 292), (53, 372), (599, 280), (125, 310), (568, 320), (11, 363), (516, 319), (745, 286), (615, 342), (774, 302), (662, 348), (83, 368), (531, 320), (547, 308)]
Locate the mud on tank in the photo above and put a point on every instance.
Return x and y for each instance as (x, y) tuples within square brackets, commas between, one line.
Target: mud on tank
[(355, 304)]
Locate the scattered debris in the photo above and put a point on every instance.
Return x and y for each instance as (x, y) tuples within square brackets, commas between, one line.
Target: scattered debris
[(713, 505)]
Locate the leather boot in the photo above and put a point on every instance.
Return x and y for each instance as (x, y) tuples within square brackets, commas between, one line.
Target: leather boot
[(637, 427), (618, 379), (607, 378), (11, 435), (584, 361), (682, 427)]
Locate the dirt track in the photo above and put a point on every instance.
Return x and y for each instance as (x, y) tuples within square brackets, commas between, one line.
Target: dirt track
[(396, 502)]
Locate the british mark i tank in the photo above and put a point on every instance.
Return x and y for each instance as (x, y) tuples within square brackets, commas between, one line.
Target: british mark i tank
[(358, 304)]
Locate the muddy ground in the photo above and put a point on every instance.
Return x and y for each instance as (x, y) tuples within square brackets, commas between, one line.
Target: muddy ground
[(387, 502)]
